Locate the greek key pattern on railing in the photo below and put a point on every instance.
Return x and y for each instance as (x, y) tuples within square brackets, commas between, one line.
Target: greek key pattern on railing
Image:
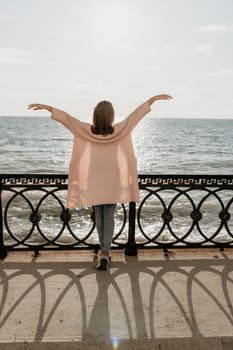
[(143, 180), (34, 179), (185, 180), (175, 211)]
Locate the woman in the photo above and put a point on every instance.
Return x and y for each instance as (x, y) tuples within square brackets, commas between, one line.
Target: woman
[(103, 168)]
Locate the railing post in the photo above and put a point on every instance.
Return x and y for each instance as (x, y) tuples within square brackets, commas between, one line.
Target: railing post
[(3, 251), (131, 247)]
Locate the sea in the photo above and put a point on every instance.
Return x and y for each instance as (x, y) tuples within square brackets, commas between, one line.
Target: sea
[(39, 145), (162, 146)]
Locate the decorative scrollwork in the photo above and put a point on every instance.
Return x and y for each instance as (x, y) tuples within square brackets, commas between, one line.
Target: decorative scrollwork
[(174, 211), (196, 210), (52, 224)]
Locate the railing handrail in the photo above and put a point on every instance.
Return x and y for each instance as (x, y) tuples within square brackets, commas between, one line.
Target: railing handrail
[(145, 179)]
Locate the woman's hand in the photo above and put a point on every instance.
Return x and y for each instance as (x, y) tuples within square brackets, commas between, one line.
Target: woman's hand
[(163, 97), (36, 106), (159, 97)]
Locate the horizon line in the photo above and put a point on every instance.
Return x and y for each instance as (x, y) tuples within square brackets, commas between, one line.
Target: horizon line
[(161, 117)]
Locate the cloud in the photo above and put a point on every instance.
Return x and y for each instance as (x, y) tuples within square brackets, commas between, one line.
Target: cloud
[(11, 55), (151, 68), (203, 49), (70, 35), (215, 28), (224, 73)]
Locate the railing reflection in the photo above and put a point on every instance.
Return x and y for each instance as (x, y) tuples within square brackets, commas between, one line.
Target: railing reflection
[(175, 211)]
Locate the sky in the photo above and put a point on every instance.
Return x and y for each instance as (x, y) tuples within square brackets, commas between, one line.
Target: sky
[(73, 53)]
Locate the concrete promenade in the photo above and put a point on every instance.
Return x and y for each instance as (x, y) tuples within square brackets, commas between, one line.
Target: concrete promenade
[(59, 301)]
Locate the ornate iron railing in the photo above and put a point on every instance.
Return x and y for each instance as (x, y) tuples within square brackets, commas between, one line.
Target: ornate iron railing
[(175, 211)]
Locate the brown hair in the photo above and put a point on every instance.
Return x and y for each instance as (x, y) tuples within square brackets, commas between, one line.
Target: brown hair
[(103, 117)]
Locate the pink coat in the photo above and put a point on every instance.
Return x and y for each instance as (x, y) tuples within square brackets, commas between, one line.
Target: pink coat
[(103, 169)]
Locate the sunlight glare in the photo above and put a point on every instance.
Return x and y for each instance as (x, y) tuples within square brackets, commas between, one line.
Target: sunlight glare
[(115, 343)]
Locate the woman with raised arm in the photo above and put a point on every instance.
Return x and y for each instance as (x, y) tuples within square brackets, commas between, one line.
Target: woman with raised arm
[(103, 167)]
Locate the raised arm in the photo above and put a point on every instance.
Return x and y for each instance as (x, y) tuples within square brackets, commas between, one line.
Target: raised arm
[(60, 116), (36, 106), (134, 118), (159, 97)]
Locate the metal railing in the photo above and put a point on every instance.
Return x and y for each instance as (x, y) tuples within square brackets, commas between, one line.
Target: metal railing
[(175, 211)]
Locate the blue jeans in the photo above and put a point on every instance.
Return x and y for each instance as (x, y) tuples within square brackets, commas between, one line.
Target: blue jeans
[(104, 218)]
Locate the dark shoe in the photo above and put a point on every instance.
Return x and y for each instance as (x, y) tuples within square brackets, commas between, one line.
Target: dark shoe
[(106, 254), (102, 264)]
